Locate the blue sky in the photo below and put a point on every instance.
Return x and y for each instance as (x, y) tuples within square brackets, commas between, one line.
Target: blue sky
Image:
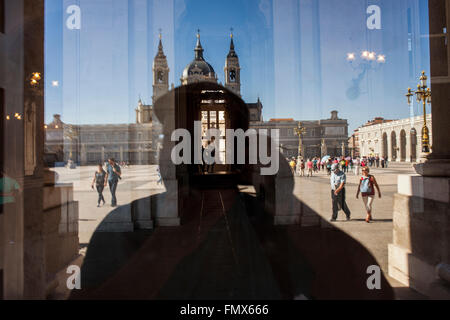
[(292, 54)]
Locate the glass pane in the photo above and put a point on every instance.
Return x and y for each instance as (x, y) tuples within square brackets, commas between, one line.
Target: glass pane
[(213, 119), (222, 123), (204, 122), (222, 150)]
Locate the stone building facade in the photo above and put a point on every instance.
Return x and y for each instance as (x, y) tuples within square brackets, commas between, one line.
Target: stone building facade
[(322, 137), (398, 140), (93, 144)]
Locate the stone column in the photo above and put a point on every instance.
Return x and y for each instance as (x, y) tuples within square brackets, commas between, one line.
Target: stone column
[(83, 156), (140, 155), (389, 148), (103, 154), (437, 164), (167, 206), (323, 150), (408, 148), (421, 214)]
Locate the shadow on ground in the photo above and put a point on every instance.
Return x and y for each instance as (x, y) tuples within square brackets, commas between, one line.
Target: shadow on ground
[(227, 246), (238, 256)]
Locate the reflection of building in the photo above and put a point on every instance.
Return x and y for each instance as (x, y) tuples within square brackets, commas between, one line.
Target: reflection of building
[(39, 229), (353, 144), (398, 140), (199, 70), (135, 143), (322, 137), (353, 140), (92, 144)]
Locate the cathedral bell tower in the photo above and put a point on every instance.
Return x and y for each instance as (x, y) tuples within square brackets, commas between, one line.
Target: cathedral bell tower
[(160, 73), (232, 70)]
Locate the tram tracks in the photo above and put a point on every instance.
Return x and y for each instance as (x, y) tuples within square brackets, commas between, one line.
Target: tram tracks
[(223, 212)]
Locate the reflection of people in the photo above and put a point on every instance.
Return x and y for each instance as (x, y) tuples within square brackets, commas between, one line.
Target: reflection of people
[(113, 174), (100, 183), (232, 252), (366, 187), (158, 172), (211, 153), (300, 167), (338, 180), (310, 165), (9, 188), (292, 165)]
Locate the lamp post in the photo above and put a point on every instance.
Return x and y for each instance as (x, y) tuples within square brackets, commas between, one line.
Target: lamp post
[(300, 130), (423, 94), (71, 134)]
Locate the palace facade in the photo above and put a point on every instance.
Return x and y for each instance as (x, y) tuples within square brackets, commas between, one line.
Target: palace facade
[(321, 138), (396, 140)]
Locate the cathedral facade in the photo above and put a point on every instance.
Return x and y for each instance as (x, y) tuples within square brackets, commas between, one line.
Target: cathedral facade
[(198, 70), (138, 143)]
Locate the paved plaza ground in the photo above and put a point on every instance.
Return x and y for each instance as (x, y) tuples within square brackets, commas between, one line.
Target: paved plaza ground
[(140, 181), (375, 236), (137, 182)]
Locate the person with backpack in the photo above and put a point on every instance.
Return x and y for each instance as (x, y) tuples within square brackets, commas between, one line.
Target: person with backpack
[(329, 167), (342, 163), (367, 185)]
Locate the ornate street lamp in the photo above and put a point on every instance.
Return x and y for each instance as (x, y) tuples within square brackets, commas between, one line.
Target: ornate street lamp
[(423, 94), (300, 131)]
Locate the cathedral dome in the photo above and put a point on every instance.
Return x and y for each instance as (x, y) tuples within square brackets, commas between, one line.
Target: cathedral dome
[(198, 69)]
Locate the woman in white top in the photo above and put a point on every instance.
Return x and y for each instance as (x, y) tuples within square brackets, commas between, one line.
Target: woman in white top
[(367, 185)]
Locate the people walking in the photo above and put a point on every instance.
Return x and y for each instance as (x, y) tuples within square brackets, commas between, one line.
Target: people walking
[(357, 166), (329, 164), (338, 180), (292, 165), (9, 190), (211, 155), (342, 163), (158, 172), (300, 169), (367, 185), (310, 166), (113, 175), (100, 183)]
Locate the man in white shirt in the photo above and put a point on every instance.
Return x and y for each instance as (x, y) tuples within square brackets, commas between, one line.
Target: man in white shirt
[(337, 181)]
